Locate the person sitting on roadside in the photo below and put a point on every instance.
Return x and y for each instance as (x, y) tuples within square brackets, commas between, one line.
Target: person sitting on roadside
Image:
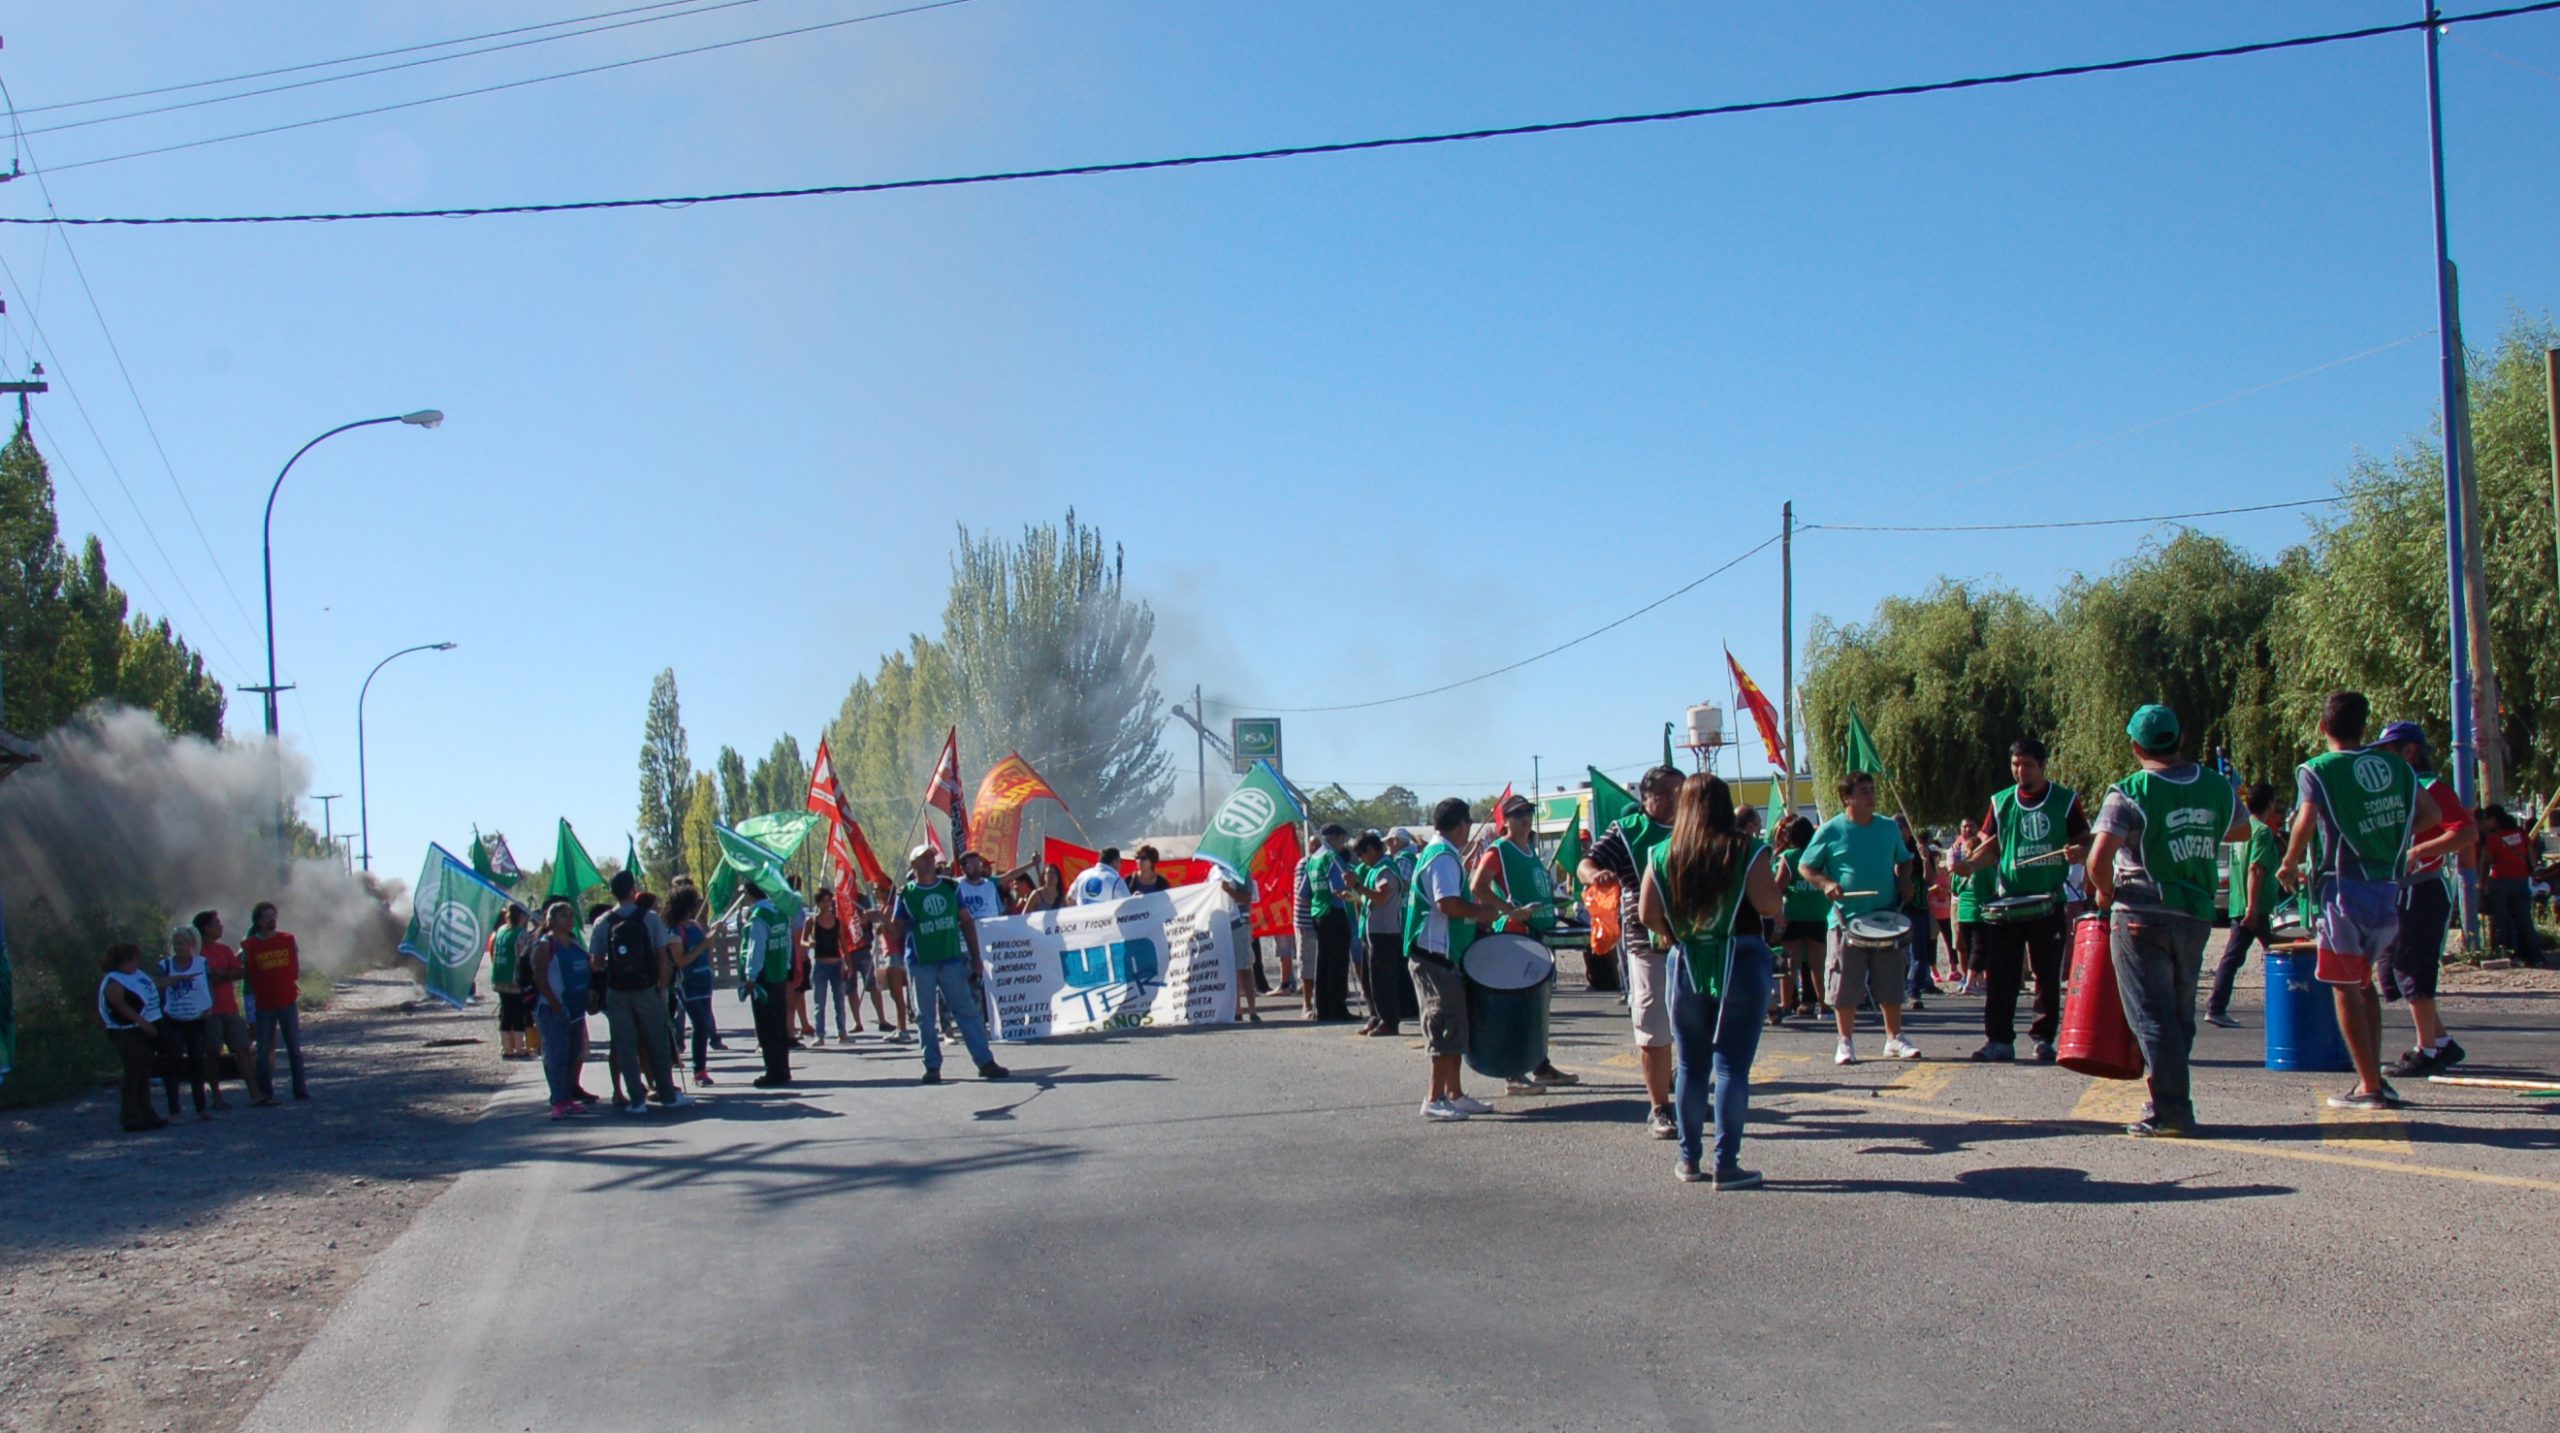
[(129, 1008)]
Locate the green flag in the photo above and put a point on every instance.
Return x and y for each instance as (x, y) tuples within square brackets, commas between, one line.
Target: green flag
[(1609, 801), (573, 874), (1860, 754), (743, 860), (780, 832), (631, 860), (1667, 758), (1569, 855), (450, 920), (1246, 819), (480, 855)]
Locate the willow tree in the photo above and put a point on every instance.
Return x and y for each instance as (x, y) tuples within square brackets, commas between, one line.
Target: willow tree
[(1048, 657)]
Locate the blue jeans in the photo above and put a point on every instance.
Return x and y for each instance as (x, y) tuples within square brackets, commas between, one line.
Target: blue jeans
[(560, 1041), (1702, 1051), (697, 1017), (287, 1023), (828, 986), (936, 983)]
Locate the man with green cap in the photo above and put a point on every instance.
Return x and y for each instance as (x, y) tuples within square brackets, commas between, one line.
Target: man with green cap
[(2152, 870)]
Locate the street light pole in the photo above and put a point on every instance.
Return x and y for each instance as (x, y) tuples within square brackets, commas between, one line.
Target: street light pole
[(364, 817), (423, 418)]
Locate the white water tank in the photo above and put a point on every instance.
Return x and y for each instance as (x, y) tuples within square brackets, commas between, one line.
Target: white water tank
[(1706, 725)]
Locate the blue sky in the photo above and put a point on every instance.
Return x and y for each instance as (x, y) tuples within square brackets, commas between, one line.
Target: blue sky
[(1366, 423)]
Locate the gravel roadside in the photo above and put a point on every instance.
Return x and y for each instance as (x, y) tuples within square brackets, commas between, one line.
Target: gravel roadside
[(159, 1281)]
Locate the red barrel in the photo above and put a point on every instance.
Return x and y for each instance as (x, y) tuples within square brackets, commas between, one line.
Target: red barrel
[(2095, 1038)]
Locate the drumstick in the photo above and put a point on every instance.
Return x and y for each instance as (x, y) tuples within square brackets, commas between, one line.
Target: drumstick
[(1856, 895), (2047, 857)]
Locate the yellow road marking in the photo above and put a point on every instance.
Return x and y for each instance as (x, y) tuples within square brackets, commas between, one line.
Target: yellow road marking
[(1623, 1060), (1765, 1058), (2112, 1102), (1923, 1082), (2306, 1156), (2373, 1131)]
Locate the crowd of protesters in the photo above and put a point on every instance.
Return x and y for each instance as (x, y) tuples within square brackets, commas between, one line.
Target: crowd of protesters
[(204, 1015)]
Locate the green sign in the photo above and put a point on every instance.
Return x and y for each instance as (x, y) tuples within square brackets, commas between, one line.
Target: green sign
[(1256, 739)]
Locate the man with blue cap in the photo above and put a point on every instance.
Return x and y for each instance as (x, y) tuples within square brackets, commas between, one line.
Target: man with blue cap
[(2152, 869), (2441, 831)]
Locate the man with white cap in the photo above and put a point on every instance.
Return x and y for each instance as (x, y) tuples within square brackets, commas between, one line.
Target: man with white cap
[(941, 940)]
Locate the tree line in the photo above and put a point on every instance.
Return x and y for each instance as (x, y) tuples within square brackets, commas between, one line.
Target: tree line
[(1042, 651), (2242, 649)]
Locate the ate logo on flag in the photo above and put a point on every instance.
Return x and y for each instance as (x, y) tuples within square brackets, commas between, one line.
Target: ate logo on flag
[(1245, 813), (453, 934)]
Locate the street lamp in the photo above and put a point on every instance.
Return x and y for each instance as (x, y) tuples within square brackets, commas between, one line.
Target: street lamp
[(423, 418), (364, 822)]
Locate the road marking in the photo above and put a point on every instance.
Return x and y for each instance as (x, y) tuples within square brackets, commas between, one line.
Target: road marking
[(2306, 1156), (2112, 1102), (2372, 1131), (1922, 1082), (1623, 1060)]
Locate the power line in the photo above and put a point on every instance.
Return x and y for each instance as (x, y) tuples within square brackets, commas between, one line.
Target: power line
[(351, 59), (177, 105), (1284, 152), (1761, 546), (2083, 522), (517, 84)]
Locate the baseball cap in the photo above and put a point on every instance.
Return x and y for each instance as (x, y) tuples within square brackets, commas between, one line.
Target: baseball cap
[(1518, 802), (920, 852), (2400, 731), (2153, 727)]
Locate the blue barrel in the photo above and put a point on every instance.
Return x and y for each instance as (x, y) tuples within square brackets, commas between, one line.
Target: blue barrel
[(2302, 1017), (1509, 980)]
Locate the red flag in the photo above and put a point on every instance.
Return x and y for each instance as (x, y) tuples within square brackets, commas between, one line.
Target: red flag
[(1762, 713), (943, 792), (1498, 803), (1275, 870), (844, 840)]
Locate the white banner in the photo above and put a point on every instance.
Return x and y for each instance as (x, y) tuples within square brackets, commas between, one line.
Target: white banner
[(1161, 959)]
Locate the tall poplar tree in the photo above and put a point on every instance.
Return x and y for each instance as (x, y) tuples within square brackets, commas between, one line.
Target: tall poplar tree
[(666, 780)]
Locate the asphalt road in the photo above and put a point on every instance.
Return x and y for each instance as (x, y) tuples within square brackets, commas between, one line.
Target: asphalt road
[(1250, 1228)]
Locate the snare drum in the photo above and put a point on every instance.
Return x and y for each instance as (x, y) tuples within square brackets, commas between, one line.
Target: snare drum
[(2019, 908), (1882, 930)]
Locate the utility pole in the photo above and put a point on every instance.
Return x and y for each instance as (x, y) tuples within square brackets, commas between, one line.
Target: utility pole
[(33, 383), (2551, 417), (1787, 639), (2465, 747), (1201, 735), (328, 831)]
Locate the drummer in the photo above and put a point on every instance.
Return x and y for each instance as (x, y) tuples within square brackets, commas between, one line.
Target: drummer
[(1440, 923), (2152, 867), (1614, 868), (2026, 824), (1858, 861), (1512, 873)]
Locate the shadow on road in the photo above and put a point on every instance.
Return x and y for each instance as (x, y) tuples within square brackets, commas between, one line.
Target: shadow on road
[(2038, 1184)]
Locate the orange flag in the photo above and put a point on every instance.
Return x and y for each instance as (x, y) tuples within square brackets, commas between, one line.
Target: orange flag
[(1009, 786)]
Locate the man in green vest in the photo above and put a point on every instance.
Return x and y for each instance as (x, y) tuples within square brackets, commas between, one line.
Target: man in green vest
[(2362, 805), (2152, 867), (2254, 897), (1328, 887), (1441, 919), (1614, 870), (2033, 833), (940, 937), (1510, 873), (764, 977)]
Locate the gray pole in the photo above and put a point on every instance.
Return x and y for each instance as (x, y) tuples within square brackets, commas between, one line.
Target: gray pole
[(1787, 638), (2551, 417), (364, 815), (2448, 331), (1200, 741)]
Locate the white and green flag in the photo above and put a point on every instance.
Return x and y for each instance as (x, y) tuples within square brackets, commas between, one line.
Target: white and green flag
[(743, 859), (1261, 805), (450, 923)]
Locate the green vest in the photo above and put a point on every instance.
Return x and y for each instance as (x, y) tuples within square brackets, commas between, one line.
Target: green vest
[(502, 959), (1417, 909), (1804, 903), (2372, 799), (1706, 948), (1973, 890), (777, 942), (2182, 826), (1321, 900), (2027, 831), (933, 921), (1525, 881)]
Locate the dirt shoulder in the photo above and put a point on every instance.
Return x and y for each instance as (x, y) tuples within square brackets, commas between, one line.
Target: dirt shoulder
[(159, 1281)]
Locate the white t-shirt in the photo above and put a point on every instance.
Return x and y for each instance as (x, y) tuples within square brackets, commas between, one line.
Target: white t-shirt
[(1443, 878), (981, 900), (1101, 883), (146, 993), (188, 995)]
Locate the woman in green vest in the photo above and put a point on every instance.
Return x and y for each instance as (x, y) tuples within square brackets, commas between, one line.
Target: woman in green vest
[(1696, 886)]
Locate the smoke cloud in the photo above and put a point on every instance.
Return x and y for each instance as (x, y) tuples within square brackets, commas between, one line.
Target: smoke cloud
[(121, 815)]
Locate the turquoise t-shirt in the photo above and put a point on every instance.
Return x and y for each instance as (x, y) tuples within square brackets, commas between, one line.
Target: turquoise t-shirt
[(1860, 858)]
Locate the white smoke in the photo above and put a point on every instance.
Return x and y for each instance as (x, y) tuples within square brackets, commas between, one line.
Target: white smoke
[(121, 815)]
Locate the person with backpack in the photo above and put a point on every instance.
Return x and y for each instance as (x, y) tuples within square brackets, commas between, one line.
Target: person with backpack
[(635, 961)]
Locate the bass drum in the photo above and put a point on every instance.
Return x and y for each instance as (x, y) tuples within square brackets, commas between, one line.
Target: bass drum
[(1510, 982)]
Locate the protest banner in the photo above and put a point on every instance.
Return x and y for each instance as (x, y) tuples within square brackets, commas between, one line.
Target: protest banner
[(1154, 960)]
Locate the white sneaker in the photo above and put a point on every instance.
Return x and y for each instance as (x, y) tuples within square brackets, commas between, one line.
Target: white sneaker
[(1847, 1054), (1898, 1048), (1470, 1105), (1441, 1110), (681, 1101)]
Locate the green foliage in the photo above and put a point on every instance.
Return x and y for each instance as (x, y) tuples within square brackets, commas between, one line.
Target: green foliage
[(701, 810), (733, 784), (1395, 806), (885, 738), (66, 639), (666, 780), (2242, 650)]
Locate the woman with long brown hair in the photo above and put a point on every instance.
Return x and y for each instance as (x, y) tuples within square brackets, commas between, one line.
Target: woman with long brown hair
[(1696, 886)]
